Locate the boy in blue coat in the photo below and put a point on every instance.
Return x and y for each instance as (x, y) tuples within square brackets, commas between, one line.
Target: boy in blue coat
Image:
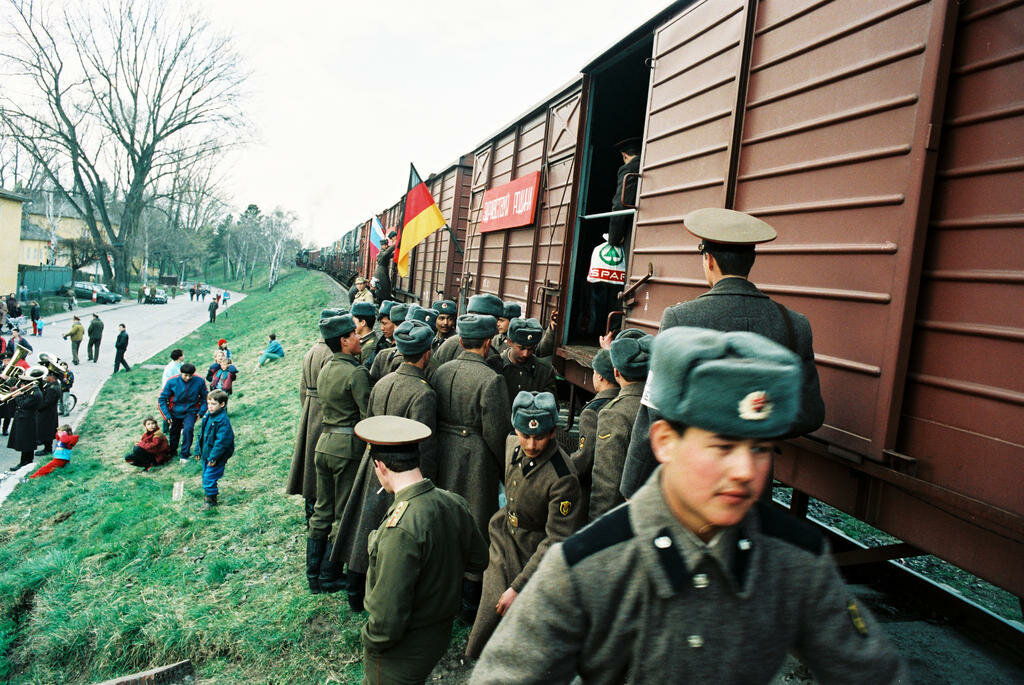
[(216, 444), (182, 402)]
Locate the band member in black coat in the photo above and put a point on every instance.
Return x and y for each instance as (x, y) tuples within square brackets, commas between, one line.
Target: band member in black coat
[(23, 430), (46, 414)]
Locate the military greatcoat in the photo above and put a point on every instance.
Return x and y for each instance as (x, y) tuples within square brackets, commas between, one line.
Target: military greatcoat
[(344, 388), (637, 598), (533, 375), (452, 348), (614, 424), (418, 556), (302, 477), (403, 393), (439, 340), (734, 304), (543, 496), (499, 343), (583, 457), (473, 419), (386, 361)]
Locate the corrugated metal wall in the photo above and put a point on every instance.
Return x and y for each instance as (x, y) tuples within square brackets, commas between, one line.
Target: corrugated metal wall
[(438, 263)]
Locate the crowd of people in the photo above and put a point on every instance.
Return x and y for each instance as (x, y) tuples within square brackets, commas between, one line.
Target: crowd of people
[(435, 488)]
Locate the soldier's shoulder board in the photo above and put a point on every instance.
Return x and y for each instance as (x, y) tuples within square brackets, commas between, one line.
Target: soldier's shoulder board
[(611, 529), (399, 511), (778, 524), (561, 468)]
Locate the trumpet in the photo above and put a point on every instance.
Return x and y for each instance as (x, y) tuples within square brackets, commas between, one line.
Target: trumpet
[(31, 380)]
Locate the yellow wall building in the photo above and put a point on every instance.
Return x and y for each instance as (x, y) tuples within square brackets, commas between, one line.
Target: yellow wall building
[(35, 245), (10, 239)]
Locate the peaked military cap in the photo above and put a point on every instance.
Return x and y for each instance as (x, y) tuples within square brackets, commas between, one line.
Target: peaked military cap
[(511, 310), (626, 144), (445, 307), (728, 226), (328, 313), (602, 363), (634, 333), (361, 279), (477, 326), (413, 337), (385, 308), (427, 316), (525, 332), (398, 312), (363, 309), (737, 383), (534, 413), (487, 304), (631, 355), (391, 430), (336, 326)]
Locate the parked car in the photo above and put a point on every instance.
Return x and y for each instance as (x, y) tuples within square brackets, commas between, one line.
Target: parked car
[(84, 290)]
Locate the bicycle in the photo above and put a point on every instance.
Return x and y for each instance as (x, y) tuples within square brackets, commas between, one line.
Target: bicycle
[(67, 403)]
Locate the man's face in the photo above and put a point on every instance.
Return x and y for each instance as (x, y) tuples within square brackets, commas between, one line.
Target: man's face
[(519, 354), (213, 406), (444, 323), (387, 328), (360, 286), (534, 445), (186, 376), (350, 344), (710, 481), (502, 324)]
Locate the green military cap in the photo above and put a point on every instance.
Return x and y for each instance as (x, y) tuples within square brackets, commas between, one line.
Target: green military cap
[(336, 326), (385, 308), (391, 434), (392, 233), (427, 316), (736, 383), (487, 304), (328, 313), (728, 226), (398, 312), (413, 337), (511, 310), (631, 355), (602, 363), (525, 332), (361, 279), (534, 413), (363, 309), (634, 333), (445, 307), (477, 326)]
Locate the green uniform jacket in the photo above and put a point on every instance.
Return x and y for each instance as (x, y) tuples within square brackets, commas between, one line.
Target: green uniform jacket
[(543, 496), (614, 425), (583, 457), (533, 375), (418, 556), (343, 388), (403, 393), (302, 476), (452, 348), (95, 329), (499, 343), (368, 348), (473, 419), (384, 362), (637, 598), (439, 340)]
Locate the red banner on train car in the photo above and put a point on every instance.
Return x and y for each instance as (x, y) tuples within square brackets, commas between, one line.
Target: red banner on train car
[(511, 205)]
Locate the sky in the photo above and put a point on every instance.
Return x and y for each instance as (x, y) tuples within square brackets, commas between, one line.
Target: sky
[(343, 96)]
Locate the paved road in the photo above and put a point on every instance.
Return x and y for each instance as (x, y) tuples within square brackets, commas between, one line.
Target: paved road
[(151, 328)]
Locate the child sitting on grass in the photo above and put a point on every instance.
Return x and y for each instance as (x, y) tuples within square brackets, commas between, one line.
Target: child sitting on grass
[(66, 440), (216, 444), (152, 448)]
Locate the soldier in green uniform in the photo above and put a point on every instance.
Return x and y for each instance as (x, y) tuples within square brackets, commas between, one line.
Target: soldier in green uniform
[(385, 362), (629, 358), (694, 581), (402, 393), (426, 542), (583, 457), (427, 316), (511, 310), (344, 388), (482, 305), (446, 313), (365, 316), (385, 325), (521, 369), (302, 476), (543, 495)]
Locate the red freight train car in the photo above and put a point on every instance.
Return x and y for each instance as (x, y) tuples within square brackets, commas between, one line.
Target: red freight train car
[(438, 262)]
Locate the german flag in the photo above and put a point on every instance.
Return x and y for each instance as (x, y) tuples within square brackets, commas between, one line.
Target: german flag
[(422, 217)]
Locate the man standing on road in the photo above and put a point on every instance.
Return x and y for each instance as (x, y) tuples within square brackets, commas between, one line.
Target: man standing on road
[(76, 334), (182, 402), (212, 308), (121, 345), (92, 350)]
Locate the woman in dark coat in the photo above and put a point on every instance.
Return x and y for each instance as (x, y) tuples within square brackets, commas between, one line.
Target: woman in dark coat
[(46, 415), (23, 429)]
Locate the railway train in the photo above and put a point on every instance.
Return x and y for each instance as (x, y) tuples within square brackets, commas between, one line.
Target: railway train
[(884, 140)]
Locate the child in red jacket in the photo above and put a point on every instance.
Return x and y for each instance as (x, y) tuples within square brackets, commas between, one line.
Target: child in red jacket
[(66, 440), (152, 448)]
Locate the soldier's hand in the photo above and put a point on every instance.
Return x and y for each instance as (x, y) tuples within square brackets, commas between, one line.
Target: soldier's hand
[(553, 320), (505, 601), (606, 340)]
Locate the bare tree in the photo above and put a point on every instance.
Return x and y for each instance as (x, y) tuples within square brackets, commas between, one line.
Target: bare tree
[(123, 92)]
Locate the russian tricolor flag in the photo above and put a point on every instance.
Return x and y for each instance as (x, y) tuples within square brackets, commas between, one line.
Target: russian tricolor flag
[(377, 237)]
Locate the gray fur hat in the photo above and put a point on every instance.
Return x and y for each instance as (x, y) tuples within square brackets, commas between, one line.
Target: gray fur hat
[(487, 304), (534, 413), (413, 337), (525, 332), (336, 326), (477, 326), (631, 355)]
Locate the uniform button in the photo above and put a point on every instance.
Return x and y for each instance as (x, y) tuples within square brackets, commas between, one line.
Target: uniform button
[(744, 544), (700, 581), (695, 641), (663, 542), (531, 463), (513, 483)]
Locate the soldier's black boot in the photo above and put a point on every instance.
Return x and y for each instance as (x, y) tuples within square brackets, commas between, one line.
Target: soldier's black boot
[(356, 591), (314, 553), (471, 591), (310, 506), (332, 576)]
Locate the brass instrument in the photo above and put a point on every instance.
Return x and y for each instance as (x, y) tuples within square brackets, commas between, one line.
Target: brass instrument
[(29, 379), (10, 377), (54, 365)]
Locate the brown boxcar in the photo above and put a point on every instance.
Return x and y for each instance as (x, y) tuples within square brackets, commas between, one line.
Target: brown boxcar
[(884, 140), (438, 262)]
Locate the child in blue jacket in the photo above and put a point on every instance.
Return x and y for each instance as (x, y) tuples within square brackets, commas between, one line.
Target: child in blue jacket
[(216, 444)]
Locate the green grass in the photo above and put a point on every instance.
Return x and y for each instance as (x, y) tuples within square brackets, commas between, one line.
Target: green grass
[(101, 574)]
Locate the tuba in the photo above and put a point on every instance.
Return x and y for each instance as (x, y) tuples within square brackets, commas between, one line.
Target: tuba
[(10, 377), (54, 365)]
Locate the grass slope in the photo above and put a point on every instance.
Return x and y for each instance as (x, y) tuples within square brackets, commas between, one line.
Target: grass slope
[(102, 574)]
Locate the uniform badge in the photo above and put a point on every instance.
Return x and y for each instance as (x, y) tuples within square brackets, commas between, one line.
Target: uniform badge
[(533, 423), (756, 406), (583, 439), (858, 621), (397, 515), (564, 507)]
